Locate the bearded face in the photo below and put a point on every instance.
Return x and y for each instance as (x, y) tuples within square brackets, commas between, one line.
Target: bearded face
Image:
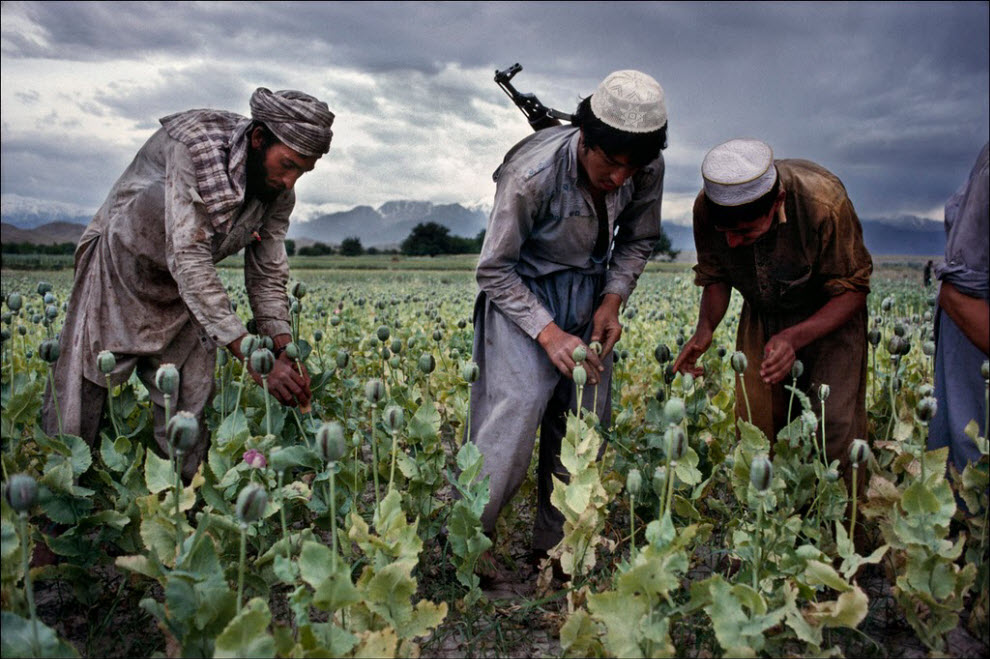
[(259, 183)]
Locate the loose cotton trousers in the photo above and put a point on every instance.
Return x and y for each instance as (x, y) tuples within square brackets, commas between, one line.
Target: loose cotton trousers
[(519, 391)]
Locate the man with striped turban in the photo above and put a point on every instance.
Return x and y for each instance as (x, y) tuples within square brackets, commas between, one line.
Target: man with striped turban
[(207, 184)]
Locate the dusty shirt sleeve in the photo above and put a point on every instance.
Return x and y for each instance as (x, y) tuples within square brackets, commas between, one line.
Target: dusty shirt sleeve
[(710, 247), (638, 230), (188, 250), (266, 270), (843, 262), (967, 224), (511, 222)]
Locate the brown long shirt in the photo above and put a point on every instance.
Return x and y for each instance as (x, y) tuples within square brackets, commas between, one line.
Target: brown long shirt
[(813, 251)]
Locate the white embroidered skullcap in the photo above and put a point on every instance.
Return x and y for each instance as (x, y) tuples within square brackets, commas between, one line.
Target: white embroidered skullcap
[(630, 101), (738, 172), (300, 121)]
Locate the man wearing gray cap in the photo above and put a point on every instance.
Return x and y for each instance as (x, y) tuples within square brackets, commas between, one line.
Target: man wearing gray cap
[(207, 184), (575, 218), (785, 235)]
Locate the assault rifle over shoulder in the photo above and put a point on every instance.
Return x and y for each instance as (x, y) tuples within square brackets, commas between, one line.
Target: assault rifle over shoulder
[(538, 115)]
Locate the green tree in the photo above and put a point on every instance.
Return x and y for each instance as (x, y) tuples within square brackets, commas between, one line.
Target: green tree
[(290, 247), (351, 246), (664, 249)]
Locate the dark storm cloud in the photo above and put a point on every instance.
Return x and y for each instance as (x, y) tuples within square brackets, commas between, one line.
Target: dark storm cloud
[(893, 97)]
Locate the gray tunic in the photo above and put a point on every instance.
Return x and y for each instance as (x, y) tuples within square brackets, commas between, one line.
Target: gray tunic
[(146, 287), (536, 266)]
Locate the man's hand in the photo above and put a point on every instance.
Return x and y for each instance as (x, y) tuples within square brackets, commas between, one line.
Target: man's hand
[(288, 382), (559, 346), (692, 351), (605, 326), (778, 357)]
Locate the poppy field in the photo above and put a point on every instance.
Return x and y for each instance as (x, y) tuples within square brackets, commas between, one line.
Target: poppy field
[(353, 529)]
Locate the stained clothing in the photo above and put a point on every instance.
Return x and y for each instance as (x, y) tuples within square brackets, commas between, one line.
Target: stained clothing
[(537, 266), (959, 386), (146, 287), (813, 252)]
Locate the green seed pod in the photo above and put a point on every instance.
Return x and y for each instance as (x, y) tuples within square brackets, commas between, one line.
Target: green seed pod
[(222, 358), (182, 431), (676, 442), (661, 394), (760, 472), (396, 345), (330, 441), (343, 358), (634, 482), (797, 369), (43, 287), (49, 350), (393, 418), (669, 374), (106, 362), (823, 391), (21, 492), (267, 342), (4, 335), (383, 333), (470, 372), (721, 352), (595, 347), (580, 354), (674, 411), (292, 350), (294, 307), (739, 362), (926, 408), (887, 304), (579, 375), (22, 330), (49, 298), (859, 452), (317, 336), (437, 335), (386, 354), (249, 344), (687, 381), (925, 390), (394, 362), (660, 480), (874, 337), (251, 503), (374, 390), (299, 290), (335, 320), (900, 329), (15, 301), (832, 476), (662, 353), (427, 363), (262, 361)]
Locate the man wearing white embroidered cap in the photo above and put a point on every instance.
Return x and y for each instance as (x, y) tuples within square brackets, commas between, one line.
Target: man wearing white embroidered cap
[(575, 219), (785, 235)]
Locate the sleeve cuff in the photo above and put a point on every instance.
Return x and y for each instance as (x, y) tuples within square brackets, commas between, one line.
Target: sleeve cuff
[(227, 330), (274, 327)]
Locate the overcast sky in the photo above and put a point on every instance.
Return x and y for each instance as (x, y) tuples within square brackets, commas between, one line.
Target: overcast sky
[(892, 97)]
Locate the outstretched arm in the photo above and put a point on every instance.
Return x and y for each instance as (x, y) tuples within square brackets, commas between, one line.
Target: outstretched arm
[(714, 303)]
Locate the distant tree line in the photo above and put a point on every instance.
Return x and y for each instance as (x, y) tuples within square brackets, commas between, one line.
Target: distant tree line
[(31, 248)]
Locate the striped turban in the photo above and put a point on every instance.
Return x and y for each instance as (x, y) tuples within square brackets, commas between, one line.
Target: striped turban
[(300, 121)]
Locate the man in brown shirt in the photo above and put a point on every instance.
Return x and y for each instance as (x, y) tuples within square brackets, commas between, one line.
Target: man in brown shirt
[(784, 234)]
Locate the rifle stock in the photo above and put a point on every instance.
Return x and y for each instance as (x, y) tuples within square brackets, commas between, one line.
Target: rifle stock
[(538, 115)]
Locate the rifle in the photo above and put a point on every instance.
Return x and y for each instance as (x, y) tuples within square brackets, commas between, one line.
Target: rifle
[(538, 115)]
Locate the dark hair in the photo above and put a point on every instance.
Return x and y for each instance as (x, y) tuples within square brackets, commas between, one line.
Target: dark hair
[(732, 216), (641, 148), (267, 136)]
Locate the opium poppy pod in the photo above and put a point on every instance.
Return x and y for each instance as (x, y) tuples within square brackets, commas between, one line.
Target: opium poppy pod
[(14, 301), (249, 344), (580, 354), (797, 369), (427, 363), (182, 431), (470, 372), (674, 411), (21, 492), (262, 361), (393, 418), (634, 482), (330, 441), (251, 503), (676, 442), (739, 362), (374, 390), (167, 379), (760, 472), (579, 375), (823, 391), (49, 350), (859, 452), (299, 290), (662, 353), (106, 362), (383, 333), (926, 408)]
